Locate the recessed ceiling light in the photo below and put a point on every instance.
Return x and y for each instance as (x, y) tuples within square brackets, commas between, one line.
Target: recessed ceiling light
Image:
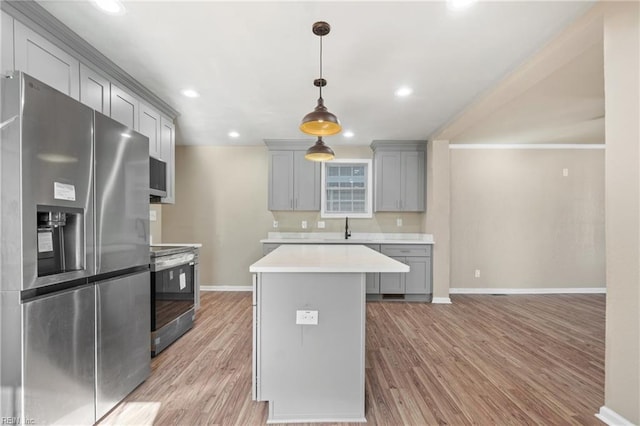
[(459, 4), (404, 91), (234, 134), (190, 93), (112, 7), (348, 134)]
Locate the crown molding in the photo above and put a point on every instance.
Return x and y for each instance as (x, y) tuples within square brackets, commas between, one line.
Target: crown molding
[(41, 21)]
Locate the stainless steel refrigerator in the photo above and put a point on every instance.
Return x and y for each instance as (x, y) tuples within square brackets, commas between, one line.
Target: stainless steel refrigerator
[(74, 280)]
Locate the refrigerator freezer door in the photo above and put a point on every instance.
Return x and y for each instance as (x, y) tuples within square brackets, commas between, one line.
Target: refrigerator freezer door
[(59, 358), (122, 196), (123, 324)]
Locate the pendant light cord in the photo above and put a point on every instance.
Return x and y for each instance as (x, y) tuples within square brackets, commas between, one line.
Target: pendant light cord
[(321, 65)]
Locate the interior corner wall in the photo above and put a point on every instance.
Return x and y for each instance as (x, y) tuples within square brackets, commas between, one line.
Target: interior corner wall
[(221, 202), (523, 225), (437, 219), (622, 103)]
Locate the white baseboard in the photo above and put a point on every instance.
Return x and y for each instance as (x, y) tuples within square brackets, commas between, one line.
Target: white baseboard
[(612, 418), (226, 288), (442, 300), (568, 290)]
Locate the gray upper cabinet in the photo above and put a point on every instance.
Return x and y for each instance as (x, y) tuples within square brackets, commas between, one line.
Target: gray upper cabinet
[(280, 180), (43, 60), (149, 122), (95, 90), (399, 173), (167, 154), (124, 107), (306, 183), (6, 28), (294, 183)]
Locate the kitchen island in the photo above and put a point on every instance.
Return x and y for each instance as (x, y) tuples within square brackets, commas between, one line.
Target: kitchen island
[(309, 330)]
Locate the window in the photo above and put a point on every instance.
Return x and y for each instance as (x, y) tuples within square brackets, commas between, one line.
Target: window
[(346, 188)]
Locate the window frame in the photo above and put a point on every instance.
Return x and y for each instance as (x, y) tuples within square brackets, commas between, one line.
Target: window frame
[(368, 163)]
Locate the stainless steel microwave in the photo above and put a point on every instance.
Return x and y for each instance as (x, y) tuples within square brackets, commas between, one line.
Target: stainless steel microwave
[(157, 178)]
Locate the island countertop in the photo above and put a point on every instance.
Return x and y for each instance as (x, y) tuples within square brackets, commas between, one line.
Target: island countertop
[(326, 258)]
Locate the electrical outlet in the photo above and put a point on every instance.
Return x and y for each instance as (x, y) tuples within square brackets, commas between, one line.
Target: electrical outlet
[(477, 274), (565, 172), (152, 215), (304, 224), (275, 224), (321, 224), (399, 222), (307, 317)]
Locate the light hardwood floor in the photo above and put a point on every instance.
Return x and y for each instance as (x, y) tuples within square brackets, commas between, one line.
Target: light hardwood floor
[(485, 360)]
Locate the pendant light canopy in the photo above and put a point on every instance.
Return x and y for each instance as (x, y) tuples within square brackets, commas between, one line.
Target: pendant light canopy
[(320, 122), (320, 152)]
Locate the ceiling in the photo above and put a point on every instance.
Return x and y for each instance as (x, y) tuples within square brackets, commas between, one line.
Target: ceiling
[(254, 63)]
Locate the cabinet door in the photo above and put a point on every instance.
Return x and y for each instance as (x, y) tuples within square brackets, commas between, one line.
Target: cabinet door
[(306, 183), (280, 180), (149, 123), (168, 154), (45, 61), (387, 181), (418, 279), (124, 108), (373, 283), (95, 90), (412, 182), (6, 28), (393, 282)]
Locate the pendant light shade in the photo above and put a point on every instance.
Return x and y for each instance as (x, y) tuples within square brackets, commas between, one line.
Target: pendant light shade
[(320, 122), (319, 152)]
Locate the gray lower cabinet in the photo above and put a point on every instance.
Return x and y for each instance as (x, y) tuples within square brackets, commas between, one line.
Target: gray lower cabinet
[(373, 278), (294, 182), (418, 280), (46, 62)]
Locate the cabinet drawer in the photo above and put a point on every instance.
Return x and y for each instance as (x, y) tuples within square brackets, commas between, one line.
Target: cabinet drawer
[(406, 249), (375, 247)]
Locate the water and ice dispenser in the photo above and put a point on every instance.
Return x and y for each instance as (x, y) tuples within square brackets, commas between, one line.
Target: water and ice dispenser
[(60, 240)]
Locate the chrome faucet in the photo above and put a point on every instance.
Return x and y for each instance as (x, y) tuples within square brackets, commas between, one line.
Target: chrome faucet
[(347, 232)]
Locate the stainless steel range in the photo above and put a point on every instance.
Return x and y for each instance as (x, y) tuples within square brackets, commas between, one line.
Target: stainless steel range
[(173, 294)]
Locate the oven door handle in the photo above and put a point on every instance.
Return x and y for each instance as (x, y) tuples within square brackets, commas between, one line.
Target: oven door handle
[(166, 262)]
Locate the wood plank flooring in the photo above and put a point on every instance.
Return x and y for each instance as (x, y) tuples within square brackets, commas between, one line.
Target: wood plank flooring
[(484, 360)]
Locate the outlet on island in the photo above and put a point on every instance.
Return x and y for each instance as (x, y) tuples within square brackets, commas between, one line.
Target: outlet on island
[(307, 317), (304, 224)]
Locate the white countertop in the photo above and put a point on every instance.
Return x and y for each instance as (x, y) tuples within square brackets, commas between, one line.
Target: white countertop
[(338, 238), (326, 258), (195, 245)]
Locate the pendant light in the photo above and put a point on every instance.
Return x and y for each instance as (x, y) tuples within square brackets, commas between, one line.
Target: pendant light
[(319, 151), (320, 122)]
